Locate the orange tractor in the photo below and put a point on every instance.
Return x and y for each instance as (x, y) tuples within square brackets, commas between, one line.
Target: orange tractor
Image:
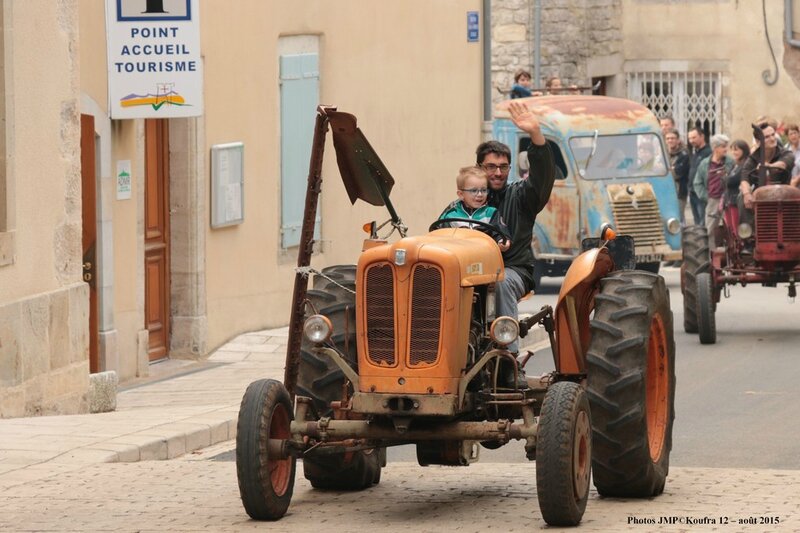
[(405, 348)]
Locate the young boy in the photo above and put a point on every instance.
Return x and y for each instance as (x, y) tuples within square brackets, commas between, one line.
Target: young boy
[(522, 84), (473, 191)]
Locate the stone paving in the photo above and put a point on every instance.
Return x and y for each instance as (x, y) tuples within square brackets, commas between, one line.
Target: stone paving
[(195, 493), (55, 476)]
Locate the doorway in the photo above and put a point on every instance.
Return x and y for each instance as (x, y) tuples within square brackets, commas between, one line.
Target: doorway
[(156, 238), (89, 232)]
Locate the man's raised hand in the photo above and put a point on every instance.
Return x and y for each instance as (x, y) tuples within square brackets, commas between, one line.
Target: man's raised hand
[(524, 119)]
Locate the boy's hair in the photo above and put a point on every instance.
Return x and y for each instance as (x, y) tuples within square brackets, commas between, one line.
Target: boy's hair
[(550, 80), (520, 73), (792, 127), (467, 172), (492, 147)]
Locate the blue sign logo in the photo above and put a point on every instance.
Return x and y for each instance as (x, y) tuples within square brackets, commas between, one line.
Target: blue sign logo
[(473, 31)]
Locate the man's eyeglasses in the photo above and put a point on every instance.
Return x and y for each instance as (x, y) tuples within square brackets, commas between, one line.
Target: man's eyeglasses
[(475, 192), (490, 167)]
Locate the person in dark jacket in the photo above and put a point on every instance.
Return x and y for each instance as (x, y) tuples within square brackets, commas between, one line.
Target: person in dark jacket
[(701, 150), (518, 204), (522, 84), (778, 170), (679, 165)]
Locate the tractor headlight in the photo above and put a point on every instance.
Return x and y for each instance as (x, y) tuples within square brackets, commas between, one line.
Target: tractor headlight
[(317, 329), (745, 230), (504, 330), (674, 226)]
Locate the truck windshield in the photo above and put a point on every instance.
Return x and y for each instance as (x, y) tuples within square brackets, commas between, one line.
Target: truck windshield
[(618, 156)]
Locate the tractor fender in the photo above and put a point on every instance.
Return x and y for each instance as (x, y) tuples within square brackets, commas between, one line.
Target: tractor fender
[(575, 304)]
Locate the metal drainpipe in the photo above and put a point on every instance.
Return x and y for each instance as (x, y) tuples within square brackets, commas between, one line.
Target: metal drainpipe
[(487, 60), (537, 32), (788, 8)]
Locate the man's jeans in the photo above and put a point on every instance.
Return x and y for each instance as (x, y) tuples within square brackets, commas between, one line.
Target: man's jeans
[(698, 209), (508, 293)]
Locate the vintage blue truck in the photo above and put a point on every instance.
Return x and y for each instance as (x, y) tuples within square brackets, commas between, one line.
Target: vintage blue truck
[(612, 167)]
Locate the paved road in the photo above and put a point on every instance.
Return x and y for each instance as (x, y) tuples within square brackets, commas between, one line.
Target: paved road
[(198, 492), (737, 402)]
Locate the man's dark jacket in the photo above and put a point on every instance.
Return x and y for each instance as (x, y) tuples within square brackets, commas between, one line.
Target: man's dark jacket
[(694, 162), (680, 171), (519, 203), (776, 175)]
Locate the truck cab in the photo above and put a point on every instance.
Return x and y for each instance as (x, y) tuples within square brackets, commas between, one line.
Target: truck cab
[(612, 167)]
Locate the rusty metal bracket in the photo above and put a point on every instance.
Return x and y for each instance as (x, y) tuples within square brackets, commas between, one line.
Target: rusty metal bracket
[(337, 358), (305, 249)]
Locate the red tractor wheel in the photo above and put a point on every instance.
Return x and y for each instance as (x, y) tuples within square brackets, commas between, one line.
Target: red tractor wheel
[(564, 454), (631, 385), (265, 483)]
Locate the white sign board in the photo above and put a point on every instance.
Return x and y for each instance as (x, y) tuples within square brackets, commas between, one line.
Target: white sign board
[(124, 180), (154, 64), (227, 184)]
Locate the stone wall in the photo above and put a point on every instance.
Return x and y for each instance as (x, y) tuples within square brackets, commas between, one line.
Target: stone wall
[(44, 358), (574, 32)]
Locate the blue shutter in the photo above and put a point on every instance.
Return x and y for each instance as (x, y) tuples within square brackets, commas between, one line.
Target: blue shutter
[(299, 100)]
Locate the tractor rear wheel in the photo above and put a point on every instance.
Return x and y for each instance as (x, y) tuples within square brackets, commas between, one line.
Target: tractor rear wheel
[(564, 454), (265, 484), (631, 385), (696, 259), (333, 295), (706, 321)]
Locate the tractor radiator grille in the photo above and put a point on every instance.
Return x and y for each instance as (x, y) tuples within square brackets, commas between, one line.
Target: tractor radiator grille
[(770, 216), (426, 312), (641, 220), (380, 314)]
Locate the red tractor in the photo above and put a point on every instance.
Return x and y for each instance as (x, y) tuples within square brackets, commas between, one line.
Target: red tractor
[(767, 254)]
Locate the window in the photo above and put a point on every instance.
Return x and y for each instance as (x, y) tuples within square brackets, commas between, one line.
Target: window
[(619, 156), (299, 90), (691, 98)]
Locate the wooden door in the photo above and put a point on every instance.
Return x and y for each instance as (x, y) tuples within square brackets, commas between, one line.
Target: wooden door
[(89, 237), (156, 238)]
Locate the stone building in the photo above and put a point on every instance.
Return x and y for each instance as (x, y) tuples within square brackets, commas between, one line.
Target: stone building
[(162, 281), (719, 63)]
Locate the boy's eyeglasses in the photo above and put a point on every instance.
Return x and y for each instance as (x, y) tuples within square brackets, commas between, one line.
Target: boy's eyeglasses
[(475, 192), (491, 167)]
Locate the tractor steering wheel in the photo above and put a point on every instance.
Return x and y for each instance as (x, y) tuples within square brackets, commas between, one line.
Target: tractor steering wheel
[(492, 231)]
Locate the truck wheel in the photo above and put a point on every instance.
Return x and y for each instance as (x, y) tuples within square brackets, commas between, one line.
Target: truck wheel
[(696, 259), (564, 454), (265, 485), (706, 322), (321, 380), (631, 385)]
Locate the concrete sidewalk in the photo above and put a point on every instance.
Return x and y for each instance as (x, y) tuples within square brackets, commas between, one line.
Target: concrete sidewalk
[(194, 405)]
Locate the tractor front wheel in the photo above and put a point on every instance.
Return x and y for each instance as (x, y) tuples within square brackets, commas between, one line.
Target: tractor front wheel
[(706, 321), (631, 385), (265, 484), (333, 295), (696, 260), (564, 454)]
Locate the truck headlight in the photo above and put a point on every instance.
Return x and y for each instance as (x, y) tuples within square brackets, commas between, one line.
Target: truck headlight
[(317, 329), (504, 330), (745, 230), (674, 226)]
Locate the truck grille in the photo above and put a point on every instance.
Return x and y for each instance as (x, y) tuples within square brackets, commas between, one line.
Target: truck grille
[(380, 314), (769, 216), (641, 220), (426, 311)]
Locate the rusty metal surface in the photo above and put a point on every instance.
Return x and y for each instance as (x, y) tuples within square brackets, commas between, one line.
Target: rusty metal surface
[(363, 172), (573, 112), (305, 249), (421, 404), (335, 430)]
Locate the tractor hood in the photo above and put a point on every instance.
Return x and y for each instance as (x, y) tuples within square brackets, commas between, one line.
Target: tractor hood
[(363, 172)]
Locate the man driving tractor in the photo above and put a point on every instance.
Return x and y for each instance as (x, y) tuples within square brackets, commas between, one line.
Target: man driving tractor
[(518, 204)]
